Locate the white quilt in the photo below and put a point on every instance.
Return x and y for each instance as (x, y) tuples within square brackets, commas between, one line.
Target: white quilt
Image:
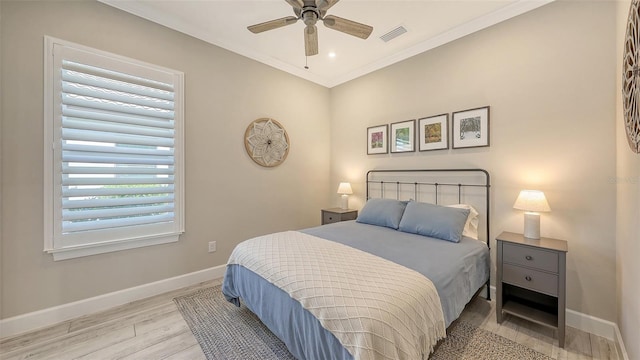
[(376, 308)]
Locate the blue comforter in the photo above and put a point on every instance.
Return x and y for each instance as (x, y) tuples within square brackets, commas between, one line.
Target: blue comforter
[(457, 270)]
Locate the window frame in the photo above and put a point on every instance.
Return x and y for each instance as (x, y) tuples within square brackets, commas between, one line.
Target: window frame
[(52, 159)]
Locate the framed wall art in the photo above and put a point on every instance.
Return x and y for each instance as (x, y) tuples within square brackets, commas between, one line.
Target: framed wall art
[(377, 139), (433, 132), (403, 136), (471, 128)]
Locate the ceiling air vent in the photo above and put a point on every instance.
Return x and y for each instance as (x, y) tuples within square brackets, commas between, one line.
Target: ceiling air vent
[(393, 33)]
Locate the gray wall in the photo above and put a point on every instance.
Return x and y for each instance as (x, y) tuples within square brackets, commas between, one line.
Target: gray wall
[(228, 197), (549, 77), (628, 213)]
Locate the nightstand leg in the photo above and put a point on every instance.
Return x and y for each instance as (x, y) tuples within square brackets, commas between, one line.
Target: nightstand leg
[(499, 283), (499, 303), (562, 293)]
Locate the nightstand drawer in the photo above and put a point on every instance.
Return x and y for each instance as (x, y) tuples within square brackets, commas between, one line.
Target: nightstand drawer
[(329, 218), (530, 257), (530, 279)]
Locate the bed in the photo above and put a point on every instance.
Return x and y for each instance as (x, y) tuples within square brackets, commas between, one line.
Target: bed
[(384, 286)]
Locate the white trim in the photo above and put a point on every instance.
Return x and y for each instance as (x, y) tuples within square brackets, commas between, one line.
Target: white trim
[(493, 293), (587, 323), (48, 143), (591, 324), (620, 344), (490, 19), (66, 246), (46, 317), (94, 249), (460, 31)]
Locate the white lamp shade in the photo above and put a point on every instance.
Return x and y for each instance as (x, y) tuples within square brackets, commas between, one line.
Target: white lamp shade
[(345, 188), (532, 200)]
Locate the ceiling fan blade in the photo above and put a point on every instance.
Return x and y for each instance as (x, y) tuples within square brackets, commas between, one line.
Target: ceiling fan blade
[(311, 40), (273, 24), (347, 26), (296, 4)]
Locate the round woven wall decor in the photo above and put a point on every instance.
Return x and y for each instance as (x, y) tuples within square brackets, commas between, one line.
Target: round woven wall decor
[(630, 78), (266, 142)]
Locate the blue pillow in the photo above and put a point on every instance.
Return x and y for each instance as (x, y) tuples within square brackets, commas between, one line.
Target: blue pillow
[(382, 212), (436, 221)]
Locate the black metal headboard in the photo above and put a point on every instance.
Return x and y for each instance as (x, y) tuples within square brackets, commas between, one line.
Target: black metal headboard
[(438, 185)]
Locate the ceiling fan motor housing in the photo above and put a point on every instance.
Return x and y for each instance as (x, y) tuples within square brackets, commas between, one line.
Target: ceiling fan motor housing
[(310, 15)]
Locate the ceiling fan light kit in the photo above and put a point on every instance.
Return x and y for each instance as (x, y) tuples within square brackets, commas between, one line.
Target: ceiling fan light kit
[(310, 11)]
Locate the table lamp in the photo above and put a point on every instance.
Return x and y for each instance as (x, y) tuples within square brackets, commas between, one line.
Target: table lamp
[(345, 190), (532, 202)]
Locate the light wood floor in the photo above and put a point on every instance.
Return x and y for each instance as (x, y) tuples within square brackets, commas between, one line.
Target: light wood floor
[(154, 329)]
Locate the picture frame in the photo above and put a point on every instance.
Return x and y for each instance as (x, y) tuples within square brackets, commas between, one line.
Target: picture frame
[(433, 132), (377, 139), (471, 128), (403, 136)]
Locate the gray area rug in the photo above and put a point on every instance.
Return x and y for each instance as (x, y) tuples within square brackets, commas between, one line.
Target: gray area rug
[(227, 332)]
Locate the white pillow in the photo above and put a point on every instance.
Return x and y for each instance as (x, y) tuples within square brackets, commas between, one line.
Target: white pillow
[(471, 226)]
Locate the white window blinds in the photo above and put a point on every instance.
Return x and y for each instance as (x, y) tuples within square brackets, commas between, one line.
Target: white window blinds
[(116, 152)]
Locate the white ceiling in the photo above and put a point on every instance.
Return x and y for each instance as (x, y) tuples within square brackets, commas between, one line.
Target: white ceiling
[(430, 23)]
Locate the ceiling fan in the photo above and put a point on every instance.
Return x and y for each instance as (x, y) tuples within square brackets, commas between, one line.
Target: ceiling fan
[(310, 11)]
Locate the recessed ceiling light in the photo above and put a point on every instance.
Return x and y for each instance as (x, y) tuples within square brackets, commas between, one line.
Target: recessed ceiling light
[(332, 54)]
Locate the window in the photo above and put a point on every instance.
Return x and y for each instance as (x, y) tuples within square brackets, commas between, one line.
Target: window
[(113, 152)]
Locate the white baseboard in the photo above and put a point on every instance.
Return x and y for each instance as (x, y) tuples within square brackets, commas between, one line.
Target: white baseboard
[(587, 323), (46, 317), (493, 292), (591, 324), (603, 328), (620, 344)]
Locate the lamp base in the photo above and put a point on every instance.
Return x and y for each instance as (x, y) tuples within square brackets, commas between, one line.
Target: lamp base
[(532, 225), (344, 201)]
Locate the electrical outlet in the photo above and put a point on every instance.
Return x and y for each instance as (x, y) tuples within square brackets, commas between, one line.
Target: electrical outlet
[(212, 246)]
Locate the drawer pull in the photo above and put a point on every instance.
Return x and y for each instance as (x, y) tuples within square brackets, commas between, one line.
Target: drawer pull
[(529, 257), (528, 278)]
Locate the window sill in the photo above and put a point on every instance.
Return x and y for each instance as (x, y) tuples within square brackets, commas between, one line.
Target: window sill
[(95, 249)]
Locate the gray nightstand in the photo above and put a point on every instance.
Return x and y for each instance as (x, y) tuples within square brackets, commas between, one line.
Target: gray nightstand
[(334, 215), (531, 280)]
